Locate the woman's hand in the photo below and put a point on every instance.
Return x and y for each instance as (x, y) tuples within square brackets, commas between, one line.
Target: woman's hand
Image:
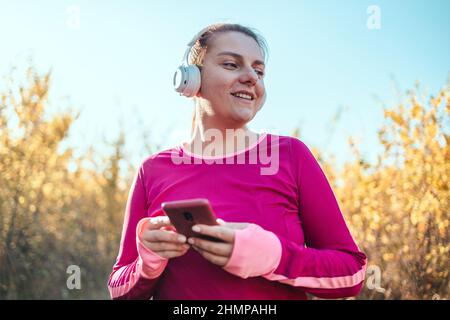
[(218, 253), (159, 236)]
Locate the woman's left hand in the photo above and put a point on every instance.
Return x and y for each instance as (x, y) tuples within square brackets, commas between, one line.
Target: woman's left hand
[(218, 253)]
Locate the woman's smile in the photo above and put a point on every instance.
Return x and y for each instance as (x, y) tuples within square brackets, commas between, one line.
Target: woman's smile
[(242, 100)]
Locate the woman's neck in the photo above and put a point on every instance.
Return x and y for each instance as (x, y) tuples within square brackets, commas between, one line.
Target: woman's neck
[(216, 140)]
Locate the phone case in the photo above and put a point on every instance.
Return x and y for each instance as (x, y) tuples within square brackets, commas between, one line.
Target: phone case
[(184, 214)]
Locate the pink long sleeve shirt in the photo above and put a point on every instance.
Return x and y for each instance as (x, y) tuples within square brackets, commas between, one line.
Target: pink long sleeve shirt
[(297, 241)]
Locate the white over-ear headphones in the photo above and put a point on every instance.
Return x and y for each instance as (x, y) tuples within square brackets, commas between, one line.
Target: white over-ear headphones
[(187, 79)]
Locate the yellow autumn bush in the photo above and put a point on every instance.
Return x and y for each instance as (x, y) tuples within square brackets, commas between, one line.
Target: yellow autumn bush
[(51, 216), (399, 208)]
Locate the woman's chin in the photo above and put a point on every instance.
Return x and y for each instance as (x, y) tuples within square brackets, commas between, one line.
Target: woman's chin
[(243, 113)]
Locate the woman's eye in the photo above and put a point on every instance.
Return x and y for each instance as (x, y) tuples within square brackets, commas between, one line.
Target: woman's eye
[(230, 64), (233, 65)]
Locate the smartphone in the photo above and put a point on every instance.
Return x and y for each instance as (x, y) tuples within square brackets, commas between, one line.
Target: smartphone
[(184, 214)]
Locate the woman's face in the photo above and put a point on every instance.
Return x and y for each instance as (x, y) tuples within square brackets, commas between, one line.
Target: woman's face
[(233, 65)]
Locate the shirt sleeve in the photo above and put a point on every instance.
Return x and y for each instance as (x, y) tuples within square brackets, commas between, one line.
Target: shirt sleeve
[(330, 264), (137, 269)]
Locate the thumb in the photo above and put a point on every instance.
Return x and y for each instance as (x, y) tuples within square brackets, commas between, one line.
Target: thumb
[(221, 222), (158, 222)]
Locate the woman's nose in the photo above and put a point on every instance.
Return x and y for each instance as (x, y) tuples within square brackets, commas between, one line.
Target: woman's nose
[(249, 76)]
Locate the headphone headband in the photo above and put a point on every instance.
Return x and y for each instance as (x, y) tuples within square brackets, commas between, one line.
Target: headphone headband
[(192, 43)]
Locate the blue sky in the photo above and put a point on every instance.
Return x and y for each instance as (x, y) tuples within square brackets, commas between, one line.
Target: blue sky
[(118, 64)]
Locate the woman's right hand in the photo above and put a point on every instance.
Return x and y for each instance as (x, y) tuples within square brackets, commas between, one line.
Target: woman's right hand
[(160, 236)]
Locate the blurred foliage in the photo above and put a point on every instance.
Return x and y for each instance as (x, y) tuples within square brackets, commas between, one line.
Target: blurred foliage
[(54, 211), (398, 209), (58, 209)]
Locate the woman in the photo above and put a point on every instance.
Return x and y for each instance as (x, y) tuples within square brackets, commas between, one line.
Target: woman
[(282, 230)]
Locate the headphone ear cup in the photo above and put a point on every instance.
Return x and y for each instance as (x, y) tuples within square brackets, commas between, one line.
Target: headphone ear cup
[(194, 81), (187, 80)]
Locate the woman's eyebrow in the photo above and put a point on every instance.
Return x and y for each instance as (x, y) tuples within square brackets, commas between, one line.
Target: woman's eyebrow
[(238, 56)]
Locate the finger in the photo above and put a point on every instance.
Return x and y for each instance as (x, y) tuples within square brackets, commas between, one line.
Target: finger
[(221, 232), (165, 246), (220, 221), (221, 249), (169, 228), (218, 260), (236, 225), (163, 236), (171, 254)]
